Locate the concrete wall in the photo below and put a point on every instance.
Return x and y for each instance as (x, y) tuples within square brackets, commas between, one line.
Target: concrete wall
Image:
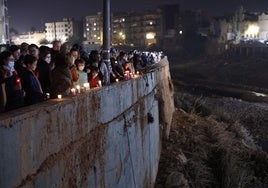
[(97, 139)]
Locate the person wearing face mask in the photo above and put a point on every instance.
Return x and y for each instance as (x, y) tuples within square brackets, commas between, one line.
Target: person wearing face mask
[(80, 65), (44, 69), (11, 93)]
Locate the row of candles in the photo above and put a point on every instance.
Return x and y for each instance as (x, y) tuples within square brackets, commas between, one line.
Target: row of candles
[(128, 75), (86, 86)]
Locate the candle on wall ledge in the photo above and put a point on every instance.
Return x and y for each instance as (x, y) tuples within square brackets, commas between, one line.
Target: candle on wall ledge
[(59, 96), (86, 86), (48, 95), (99, 82), (117, 80), (78, 88), (73, 91)]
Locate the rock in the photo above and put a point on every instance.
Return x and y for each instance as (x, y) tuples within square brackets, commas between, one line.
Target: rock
[(176, 180)]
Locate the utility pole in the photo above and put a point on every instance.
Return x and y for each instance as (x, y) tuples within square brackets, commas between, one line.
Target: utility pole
[(106, 34)]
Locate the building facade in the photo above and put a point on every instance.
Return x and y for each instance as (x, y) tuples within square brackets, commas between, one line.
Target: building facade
[(143, 29), (93, 29), (134, 28), (30, 38), (263, 26), (119, 28), (62, 30)]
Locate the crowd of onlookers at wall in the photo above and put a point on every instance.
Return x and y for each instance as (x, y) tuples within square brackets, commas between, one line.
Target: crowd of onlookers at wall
[(30, 74)]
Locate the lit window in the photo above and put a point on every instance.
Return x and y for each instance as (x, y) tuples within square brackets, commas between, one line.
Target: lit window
[(150, 35)]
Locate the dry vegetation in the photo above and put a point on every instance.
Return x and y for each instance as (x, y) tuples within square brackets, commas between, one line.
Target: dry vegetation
[(218, 154), (217, 142)]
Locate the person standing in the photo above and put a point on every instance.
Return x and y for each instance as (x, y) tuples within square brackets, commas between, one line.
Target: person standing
[(30, 83), (11, 93)]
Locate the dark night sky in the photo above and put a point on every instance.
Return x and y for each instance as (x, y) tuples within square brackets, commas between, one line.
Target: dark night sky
[(25, 14)]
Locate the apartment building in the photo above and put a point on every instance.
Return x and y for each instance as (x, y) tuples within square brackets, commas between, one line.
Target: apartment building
[(63, 30)]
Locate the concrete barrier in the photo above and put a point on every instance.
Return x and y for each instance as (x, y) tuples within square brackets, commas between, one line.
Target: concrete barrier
[(108, 137)]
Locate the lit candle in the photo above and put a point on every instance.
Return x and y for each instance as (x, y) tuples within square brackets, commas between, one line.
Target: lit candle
[(48, 95), (73, 91), (78, 88), (86, 86), (59, 96), (138, 72), (99, 82), (117, 80)]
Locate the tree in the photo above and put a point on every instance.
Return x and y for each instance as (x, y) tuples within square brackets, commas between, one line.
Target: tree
[(238, 23)]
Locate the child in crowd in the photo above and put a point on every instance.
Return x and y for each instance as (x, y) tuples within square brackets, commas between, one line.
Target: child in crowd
[(82, 76), (94, 79)]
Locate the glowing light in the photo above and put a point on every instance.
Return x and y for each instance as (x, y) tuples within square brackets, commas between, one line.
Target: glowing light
[(150, 35), (151, 23), (180, 32), (252, 31), (259, 94)]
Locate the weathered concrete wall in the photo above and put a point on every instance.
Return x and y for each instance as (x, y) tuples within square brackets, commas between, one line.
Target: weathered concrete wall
[(97, 139)]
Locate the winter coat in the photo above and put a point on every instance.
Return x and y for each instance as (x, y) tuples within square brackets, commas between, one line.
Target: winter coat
[(83, 78), (11, 93), (32, 88), (61, 81), (45, 75)]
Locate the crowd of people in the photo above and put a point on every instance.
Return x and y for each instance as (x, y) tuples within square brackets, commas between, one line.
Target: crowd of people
[(30, 74)]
